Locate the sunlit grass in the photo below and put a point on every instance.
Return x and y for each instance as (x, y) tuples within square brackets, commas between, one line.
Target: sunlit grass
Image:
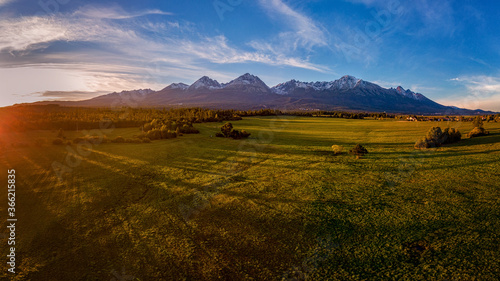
[(205, 208)]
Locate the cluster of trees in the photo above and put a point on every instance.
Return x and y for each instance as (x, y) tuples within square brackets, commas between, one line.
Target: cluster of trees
[(166, 129), (478, 129), (357, 150), (436, 137), (227, 131)]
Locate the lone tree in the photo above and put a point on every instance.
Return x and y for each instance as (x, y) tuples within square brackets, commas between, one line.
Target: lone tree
[(359, 151), (226, 129), (478, 128), (478, 122)]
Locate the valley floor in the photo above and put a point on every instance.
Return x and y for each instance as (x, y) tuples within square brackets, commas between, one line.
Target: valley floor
[(276, 206)]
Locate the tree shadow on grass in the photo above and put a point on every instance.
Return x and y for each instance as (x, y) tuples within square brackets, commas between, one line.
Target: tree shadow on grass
[(488, 139)]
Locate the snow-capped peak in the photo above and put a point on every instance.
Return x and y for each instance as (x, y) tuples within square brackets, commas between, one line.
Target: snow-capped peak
[(205, 83), (246, 79), (181, 86), (409, 94), (346, 82), (247, 83)]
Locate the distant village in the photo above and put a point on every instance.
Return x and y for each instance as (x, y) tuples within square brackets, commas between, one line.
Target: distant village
[(486, 118)]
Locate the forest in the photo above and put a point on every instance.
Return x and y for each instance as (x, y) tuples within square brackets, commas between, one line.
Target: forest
[(53, 117)]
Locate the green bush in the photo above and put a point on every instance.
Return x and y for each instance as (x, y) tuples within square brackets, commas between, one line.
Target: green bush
[(478, 122), (235, 134), (478, 132), (452, 135), (337, 149), (436, 137), (244, 134), (188, 129), (118, 140), (58, 141), (228, 131), (219, 135), (358, 150), (154, 134), (171, 135)]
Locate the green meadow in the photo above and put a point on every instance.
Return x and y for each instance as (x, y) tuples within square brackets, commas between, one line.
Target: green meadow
[(276, 206)]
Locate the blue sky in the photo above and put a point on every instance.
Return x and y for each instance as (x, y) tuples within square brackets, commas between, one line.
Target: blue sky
[(75, 49)]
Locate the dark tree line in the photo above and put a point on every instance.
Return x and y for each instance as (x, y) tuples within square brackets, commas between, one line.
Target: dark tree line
[(55, 117)]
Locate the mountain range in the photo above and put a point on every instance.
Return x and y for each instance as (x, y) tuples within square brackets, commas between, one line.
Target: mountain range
[(250, 92)]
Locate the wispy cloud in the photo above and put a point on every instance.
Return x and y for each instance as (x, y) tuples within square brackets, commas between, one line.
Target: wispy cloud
[(122, 53), (21, 34), (5, 2), (114, 12), (435, 16), (30, 34), (483, 92), (305, 32), (69, 95)]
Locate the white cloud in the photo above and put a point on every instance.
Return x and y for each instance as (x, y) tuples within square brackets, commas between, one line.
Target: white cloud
[(120, 57), (4, 2), (20, 34), (483, 92), (305, 32), (32, 33), (114, 12)]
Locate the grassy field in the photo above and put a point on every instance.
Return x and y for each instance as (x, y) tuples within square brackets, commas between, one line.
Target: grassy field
[(277, 206)]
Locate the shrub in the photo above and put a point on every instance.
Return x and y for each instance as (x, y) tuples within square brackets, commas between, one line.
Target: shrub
[(244, 134), (235, 134), (171, 135), (358, 150), (478, 132), (178, 131), (154, 134), (146, 140), (58, 141), (423, 143), (436, 137), (337, 149), (452, 135), (118, 140), (219, 135), (478, 122), (226, 129), (78, 140), (147, 127), (96, 140)]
